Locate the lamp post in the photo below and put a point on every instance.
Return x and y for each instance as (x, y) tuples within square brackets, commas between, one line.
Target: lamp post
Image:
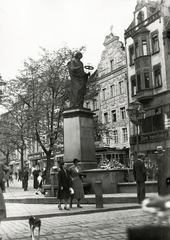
[(135, 115), (89, 68)]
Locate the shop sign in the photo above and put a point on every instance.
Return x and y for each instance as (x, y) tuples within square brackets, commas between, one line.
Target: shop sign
[(153, 136), (36, 156)]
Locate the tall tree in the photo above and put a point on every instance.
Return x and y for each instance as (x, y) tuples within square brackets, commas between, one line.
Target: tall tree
[(43, 85)]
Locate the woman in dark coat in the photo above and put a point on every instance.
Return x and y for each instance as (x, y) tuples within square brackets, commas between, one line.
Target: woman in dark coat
[(36, 174), (64, 183)]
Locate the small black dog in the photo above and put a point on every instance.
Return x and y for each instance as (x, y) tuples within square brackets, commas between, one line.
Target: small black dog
[(33, 223)]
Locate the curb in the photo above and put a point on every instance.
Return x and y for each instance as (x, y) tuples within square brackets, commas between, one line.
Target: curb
[(70, 213), (86, 200)]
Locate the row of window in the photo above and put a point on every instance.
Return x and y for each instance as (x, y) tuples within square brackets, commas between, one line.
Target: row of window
[(141, 46), (115, 137), (143, 80), (113, 90), (114, 115)]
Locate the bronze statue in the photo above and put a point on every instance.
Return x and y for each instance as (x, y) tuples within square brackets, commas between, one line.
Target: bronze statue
[(78, 81)]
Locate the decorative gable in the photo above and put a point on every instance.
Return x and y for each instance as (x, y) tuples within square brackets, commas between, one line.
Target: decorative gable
[(113, 56)]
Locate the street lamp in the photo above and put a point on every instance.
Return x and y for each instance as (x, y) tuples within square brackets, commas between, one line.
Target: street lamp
[(135, 115), (89, 68)]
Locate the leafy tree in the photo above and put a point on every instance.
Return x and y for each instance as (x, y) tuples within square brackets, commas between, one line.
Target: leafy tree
[(41, 92), (13, 127), (43, 86)]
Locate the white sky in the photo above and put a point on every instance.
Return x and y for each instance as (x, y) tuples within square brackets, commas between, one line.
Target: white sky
[(26, 25)]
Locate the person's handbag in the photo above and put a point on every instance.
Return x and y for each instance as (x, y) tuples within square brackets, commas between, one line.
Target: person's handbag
[(71, 191)]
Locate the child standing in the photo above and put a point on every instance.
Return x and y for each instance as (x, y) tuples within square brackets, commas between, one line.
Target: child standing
[(39, 179)]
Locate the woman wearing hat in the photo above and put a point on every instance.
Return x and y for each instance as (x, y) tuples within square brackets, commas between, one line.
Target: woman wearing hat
[(64, 182), (75, 173)]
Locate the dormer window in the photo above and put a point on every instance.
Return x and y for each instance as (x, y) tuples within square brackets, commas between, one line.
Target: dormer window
[(140, 17)]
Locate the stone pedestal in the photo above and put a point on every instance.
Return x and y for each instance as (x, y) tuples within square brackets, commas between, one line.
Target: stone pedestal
[(79, 137)]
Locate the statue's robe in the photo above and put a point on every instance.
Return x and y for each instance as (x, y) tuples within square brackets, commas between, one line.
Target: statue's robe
[(78, 83)]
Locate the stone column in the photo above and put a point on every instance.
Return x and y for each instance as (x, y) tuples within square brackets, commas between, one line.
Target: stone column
[(79, 137)]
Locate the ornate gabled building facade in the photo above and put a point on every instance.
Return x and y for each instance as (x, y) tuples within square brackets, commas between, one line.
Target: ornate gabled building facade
[(111, 102), (147, 42)]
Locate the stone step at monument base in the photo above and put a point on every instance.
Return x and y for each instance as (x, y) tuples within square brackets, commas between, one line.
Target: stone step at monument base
[(130, 187), (89, 199)]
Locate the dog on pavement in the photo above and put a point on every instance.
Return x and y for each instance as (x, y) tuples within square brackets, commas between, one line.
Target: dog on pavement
[(34, 222)]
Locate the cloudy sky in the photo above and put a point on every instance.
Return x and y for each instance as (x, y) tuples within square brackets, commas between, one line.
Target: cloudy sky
[(26, 25)]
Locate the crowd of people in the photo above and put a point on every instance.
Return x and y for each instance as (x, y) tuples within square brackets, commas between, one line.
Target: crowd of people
[(69, 182)]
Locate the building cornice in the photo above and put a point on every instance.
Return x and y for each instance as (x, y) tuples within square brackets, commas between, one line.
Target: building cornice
[(146, 22)]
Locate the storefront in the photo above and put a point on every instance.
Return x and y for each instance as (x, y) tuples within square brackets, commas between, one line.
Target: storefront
[(40, 159)]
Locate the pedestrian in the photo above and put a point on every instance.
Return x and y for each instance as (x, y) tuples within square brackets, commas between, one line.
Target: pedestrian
[(3, 171), (64, 183), (25, 178), (163, 172), (2, 203), (16, 174), (36, 174), (39, 180), (78, 81), (11, 177), (19, 175), (139, 172), (77, 185), (44, 176)]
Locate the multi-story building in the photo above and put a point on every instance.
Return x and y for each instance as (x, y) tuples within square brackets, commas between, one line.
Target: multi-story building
[(147, 42), (111, 102)]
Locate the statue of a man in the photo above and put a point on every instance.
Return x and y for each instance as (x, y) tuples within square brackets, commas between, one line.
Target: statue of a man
[(78, 81)]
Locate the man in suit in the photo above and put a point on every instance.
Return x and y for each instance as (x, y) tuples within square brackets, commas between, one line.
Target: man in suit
[(139, 172)]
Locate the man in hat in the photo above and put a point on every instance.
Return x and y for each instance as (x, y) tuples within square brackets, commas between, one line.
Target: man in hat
[(139, 172), (163, 174)]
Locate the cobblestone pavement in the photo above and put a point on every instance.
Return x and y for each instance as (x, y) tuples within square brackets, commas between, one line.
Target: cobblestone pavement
[(103, 225)]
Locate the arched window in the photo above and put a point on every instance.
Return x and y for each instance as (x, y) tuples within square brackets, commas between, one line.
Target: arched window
[(140, 17)]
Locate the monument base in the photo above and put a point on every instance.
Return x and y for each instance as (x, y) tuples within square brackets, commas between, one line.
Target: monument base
[(79, 137)]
